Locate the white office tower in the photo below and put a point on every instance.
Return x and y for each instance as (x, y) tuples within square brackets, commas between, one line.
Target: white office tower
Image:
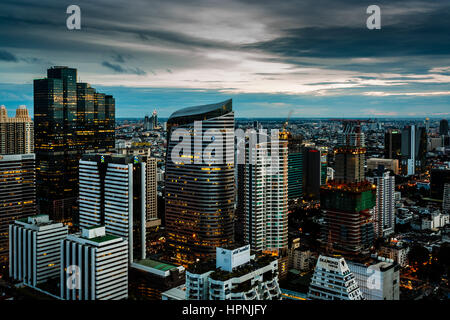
[(378, 279), (34, 249), (94, 266), (333, 280), (237, 276), (119, 192), (384, 211), (446, 200), (265, 196)]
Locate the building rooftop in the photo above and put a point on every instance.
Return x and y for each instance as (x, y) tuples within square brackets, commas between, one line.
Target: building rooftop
[(156, 264)]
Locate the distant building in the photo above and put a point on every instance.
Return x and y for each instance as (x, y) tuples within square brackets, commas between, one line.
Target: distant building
[(446, 199), (238, 276), (414, 148), (333, 280), (443, 127), (94, 266), (438, 178), (393, 144), (377, 279), (398, 252), (34, 249), (384, 211), (16, 134), (389, 164)]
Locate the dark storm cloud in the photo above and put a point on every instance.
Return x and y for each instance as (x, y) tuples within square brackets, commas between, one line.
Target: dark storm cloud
[(118, 68), (7, 56)]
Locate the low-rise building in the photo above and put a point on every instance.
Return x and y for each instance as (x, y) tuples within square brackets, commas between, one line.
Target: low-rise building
[(378, 278), (94, 266), (237, 276), (34, 249), (333, 280)]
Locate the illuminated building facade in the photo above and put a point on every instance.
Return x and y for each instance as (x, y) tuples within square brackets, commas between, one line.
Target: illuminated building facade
[(118, 192), (34, 249), (16, 134), (17, 194), (384, 211), (101, 263), (237, 275), (266, 203), (199, 195), (348, 202), (333, 280), (295, 167), (69, 119)]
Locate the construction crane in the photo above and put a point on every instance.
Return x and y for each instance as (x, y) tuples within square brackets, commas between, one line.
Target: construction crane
[(284, 134)]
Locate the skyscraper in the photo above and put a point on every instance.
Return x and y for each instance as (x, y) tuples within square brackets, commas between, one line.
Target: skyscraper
[(69, 119), (295, 167), (348, 202), (393, 144), (266, 203), (443, 127), (119, 191), (200, 192), (17, 194), (16, 134), (384, 211), (414, 148), (311, 173)]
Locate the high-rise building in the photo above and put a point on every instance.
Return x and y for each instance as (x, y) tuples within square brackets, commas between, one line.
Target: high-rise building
[(295, 167), (414, 148), (384, 211), (312, 173), (323, 165), (94, 266), (200, 191), (34, 249), (237, 275), (378, 279), (266, 203), (333, 280), (119, 192), (446, 198), (69, 119), (348, 201), (439, 176), (16, 134), (443, 127), (17, 194), (393, 144)]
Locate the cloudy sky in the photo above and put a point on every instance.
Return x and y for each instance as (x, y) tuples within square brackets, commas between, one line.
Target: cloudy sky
[(314, 57)]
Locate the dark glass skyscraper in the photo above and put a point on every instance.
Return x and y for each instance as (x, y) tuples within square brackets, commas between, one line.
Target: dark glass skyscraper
[(68, 120), (443, 127), (199, 196)]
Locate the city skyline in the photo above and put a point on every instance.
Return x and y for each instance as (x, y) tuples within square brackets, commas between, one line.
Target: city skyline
[(268, 58)]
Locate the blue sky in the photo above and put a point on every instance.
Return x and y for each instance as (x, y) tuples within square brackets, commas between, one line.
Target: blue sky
[(314, 57)]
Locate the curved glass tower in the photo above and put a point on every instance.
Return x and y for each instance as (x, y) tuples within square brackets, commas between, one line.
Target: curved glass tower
[(200, 194)]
